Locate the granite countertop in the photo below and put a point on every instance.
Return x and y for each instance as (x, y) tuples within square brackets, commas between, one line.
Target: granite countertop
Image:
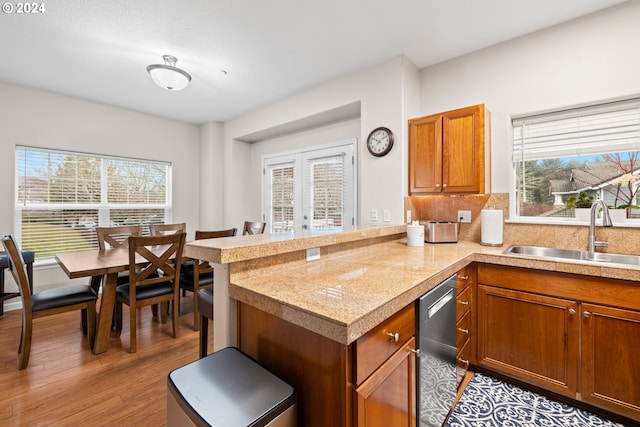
[(344, 296), (347, 293)]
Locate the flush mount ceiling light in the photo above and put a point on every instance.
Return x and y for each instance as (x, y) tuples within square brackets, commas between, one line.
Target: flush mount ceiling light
[(167, 75)]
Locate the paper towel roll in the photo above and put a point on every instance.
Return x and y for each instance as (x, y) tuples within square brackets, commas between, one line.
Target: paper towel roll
[(491, 227), (415, 235)]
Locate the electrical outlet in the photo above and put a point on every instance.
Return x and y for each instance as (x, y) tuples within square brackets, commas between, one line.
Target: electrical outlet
[(374, 215), (386, 215), (464, 216), (313, 254)]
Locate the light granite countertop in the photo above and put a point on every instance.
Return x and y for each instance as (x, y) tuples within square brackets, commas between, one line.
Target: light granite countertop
[(343, 297), (352, 289)]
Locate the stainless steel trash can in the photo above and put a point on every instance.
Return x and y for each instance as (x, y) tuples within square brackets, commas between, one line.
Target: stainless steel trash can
[(228, 388)]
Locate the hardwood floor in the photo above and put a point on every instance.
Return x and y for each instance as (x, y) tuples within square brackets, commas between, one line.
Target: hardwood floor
[(65, 384)]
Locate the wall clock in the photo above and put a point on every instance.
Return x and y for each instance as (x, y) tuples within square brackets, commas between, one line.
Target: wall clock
[(380, 141)]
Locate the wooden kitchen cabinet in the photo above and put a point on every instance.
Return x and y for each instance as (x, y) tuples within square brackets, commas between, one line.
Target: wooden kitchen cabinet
[(385, 371), (388, 396), (465, 327), (571, 334), (610, 349), (530, 337), (449, 153)]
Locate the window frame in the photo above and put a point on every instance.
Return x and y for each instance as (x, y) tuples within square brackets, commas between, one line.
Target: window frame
[(598, 107), (103, 208)]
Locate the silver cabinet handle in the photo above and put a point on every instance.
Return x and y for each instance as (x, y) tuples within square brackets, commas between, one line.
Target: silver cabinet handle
[(464, 331), (465, 361), (395, 337), (416, 352), (444, 185), (463, 302), (586, 314), (437, 185), (465, 278), (572, 311)]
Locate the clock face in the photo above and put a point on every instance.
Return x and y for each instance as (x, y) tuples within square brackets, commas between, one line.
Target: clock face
[(380, 141)]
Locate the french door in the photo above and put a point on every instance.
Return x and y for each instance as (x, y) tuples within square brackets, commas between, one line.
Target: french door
[(310, 190)]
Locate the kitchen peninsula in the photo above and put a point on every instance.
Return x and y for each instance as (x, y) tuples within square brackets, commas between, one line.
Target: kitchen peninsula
[(309, 321)]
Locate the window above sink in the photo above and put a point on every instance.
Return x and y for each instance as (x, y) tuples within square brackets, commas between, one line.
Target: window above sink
[(583, 153)]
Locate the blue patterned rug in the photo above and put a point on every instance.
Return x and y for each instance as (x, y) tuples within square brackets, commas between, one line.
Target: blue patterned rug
[(488, 402)]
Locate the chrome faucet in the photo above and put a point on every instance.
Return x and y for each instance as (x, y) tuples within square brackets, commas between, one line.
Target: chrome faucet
[(606, 222)]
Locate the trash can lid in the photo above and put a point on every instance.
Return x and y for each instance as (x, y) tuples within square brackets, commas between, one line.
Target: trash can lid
[(228, 388)]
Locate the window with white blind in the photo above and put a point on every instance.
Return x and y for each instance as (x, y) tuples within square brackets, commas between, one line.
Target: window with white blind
[(593, 150), (313, 189), (61, 197)]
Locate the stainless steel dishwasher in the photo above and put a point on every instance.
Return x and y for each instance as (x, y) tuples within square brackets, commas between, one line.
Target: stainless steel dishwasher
[(436, 373)]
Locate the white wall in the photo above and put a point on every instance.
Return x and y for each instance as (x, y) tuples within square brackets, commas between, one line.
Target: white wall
[(42, 119), (379, 90), (586, 60)]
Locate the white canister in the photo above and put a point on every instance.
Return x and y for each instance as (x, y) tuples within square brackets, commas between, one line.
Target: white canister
[(415, 235)]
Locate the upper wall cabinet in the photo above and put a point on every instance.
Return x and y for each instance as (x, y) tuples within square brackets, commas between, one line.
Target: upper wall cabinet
[(449, 153)]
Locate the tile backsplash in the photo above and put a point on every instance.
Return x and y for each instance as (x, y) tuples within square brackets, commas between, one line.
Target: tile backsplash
[(445, 208)]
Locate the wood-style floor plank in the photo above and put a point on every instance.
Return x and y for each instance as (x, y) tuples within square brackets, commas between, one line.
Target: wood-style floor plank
[(65, 384)]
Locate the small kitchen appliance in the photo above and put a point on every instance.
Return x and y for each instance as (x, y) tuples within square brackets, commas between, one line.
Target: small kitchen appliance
[(440, 232)]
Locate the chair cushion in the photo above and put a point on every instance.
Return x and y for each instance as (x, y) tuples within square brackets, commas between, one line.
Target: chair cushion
[(61, 297), (205, 302), (186, 280), (146, 291)]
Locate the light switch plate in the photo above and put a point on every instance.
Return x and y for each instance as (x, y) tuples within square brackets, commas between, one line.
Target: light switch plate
[(386, 215), (313, 254), (374, 215)]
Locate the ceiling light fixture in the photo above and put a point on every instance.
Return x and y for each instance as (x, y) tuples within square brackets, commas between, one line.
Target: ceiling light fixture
[(167, 75)]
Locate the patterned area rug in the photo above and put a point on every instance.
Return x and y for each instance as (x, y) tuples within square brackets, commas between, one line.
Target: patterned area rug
[(488, 402)]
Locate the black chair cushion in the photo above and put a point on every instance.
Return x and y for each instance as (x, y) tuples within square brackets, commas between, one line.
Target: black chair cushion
[(186, 280), (145, 292), (62, 297), (205, 302)]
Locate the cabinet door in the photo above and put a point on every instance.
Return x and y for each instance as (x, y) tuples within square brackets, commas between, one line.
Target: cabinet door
[(388, 396), (610, 350), (425, 154), (530, 337), (463, 148)]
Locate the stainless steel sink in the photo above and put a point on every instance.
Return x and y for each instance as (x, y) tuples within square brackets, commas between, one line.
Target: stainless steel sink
[(575, 255)]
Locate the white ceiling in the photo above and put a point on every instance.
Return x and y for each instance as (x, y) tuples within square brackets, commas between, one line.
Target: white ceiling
[(99, 49)]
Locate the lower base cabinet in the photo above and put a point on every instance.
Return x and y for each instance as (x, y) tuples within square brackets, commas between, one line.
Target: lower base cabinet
[(574, 335), (388, 396)]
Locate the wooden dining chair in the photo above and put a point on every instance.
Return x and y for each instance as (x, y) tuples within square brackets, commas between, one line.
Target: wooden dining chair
[(205, 308), (47, 302), (253, 227), (117, 237), (201, 275), (153, 279), (162, 229)]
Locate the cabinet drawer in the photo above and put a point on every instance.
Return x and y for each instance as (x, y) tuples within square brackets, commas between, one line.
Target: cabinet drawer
[(463, 280), (463, 328), (373, 348), (462, 362), (463, 303)]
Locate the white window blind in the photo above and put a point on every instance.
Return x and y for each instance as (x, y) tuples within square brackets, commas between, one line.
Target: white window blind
[(326, 189), (283, 206), (605, 128), (61, 197)]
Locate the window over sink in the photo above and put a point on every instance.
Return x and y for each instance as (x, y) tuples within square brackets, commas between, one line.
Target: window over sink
[(565, 159)]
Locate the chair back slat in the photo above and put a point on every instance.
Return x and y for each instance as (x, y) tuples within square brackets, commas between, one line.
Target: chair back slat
[(117, 237), (253, 227), (161, 229), (18, 269), (200, 234), (156, 254)]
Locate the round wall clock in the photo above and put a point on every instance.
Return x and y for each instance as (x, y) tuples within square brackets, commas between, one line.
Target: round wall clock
[(380, 141)]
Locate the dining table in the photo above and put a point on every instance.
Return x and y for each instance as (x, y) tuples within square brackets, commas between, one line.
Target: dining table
[(98, 264)]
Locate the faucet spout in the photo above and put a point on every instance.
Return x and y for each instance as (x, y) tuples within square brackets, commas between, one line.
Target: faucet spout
[(606, 222)]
